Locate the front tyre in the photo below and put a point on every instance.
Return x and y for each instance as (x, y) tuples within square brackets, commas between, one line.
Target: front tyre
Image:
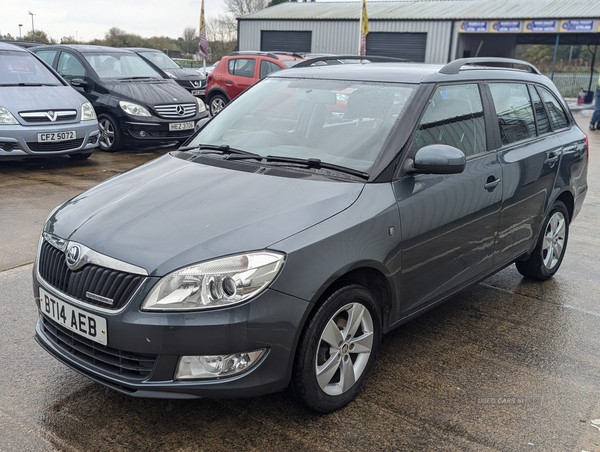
[(111, 137), (337, 349), (551, 245)]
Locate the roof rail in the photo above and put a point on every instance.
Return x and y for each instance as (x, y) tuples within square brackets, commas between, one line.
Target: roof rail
[(370, 58), (294, 54), (454, 66), (253, 52)]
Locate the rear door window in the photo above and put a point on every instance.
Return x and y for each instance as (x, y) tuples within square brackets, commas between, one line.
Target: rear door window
[(558, 117), (514, 112), (244, 67), (541, 117), (453, 117)]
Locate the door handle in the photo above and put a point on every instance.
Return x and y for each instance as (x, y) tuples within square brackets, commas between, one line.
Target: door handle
[(552, 158), (228, 82), (491, 184)]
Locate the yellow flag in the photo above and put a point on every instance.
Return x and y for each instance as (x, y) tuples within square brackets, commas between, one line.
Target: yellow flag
[(365, 20)]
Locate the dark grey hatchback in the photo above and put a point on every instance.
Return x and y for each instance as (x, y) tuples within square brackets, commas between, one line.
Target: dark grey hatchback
[(322, 208)]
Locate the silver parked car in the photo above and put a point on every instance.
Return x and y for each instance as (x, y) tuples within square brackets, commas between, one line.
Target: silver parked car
[(40, 114)]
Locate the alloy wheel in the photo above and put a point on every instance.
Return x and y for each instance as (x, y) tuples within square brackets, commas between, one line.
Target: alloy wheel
[(217, 105), (107, 133), (554, 240), (344, 349)]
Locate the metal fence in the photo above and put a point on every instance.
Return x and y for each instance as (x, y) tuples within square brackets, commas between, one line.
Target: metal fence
[(570, 85)]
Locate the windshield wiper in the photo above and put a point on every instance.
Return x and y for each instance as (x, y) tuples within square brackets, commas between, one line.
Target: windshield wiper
[(311, 163), (223, 148), (28, 84), (136, 78)]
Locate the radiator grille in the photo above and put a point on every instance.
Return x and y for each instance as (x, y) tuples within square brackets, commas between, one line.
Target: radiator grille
[(116, 285)]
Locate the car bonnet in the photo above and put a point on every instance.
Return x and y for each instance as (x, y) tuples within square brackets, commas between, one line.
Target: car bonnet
[(149, 92), (34, 98), (170, 213)]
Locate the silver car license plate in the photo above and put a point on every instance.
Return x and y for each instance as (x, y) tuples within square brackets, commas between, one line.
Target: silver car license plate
[(197, 92), (77, 320), (181, 125), (53, 137)]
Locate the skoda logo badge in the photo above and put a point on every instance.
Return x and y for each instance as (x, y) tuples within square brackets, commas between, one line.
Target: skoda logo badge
[(73, 255), (180, 110)]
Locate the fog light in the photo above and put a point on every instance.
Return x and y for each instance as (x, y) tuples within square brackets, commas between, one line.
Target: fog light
[(143, 133), (8, 147), (216, 366)]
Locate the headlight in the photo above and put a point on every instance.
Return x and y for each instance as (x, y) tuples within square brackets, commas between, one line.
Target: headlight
[(201, 106), (6, 117), (134, 109), (216, 283), (87, 112)]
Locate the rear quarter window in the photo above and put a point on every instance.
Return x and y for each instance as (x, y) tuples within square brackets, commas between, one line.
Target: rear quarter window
[(558, 117)]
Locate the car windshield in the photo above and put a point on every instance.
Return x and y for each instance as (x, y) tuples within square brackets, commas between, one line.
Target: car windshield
[(22, 68), (160, 59), (120, 65), (340, 122)]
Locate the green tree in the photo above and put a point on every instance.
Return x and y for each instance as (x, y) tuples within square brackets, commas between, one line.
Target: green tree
[(40, 36), (68, 40), (189, 41)]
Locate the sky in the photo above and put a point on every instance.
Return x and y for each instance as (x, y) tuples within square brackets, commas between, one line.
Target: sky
[(87, 20)]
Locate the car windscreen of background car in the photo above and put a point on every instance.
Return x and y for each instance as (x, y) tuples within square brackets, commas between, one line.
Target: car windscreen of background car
[(120, 65), (341, 122), (160, 59), (20, 68)]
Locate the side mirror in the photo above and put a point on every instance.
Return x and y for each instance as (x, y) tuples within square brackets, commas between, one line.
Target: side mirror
[(201, 124), (79, 82), (438, 159)]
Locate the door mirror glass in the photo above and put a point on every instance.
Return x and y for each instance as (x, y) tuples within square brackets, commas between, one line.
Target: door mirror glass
[(439, 159)]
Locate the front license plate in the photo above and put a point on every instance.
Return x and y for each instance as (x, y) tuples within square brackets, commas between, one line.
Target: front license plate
[(181, 126), (197, 92), (81, 322), (52, 137)]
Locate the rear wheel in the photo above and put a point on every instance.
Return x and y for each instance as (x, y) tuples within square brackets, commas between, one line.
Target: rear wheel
[(217, 103), (111, 137), (337, 350), (550, 248)]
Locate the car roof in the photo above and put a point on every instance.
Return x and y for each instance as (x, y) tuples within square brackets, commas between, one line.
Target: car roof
[(7, 46), (82, 48), (143, 49), (407, 73)]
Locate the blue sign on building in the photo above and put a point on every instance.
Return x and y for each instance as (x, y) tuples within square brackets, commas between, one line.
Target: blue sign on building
[(577, 25)]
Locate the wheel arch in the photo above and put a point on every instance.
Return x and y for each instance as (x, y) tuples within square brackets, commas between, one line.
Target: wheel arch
[(369, 275), (214, 91), (568, 200)]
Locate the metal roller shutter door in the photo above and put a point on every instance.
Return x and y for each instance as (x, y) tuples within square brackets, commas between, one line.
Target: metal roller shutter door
[(400, 45), (287, 41)]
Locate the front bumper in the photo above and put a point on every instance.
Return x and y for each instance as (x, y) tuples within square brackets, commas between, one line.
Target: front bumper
[(156, 129), (272, 321), (24, 139)]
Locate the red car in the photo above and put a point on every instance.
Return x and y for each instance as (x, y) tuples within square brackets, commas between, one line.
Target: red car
[(239, 71)]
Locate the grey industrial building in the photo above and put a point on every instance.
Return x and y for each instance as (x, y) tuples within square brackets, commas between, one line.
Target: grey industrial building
[(421, 31)]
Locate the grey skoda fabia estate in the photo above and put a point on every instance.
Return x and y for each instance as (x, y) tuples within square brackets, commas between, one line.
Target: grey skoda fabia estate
[(322, 208)]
